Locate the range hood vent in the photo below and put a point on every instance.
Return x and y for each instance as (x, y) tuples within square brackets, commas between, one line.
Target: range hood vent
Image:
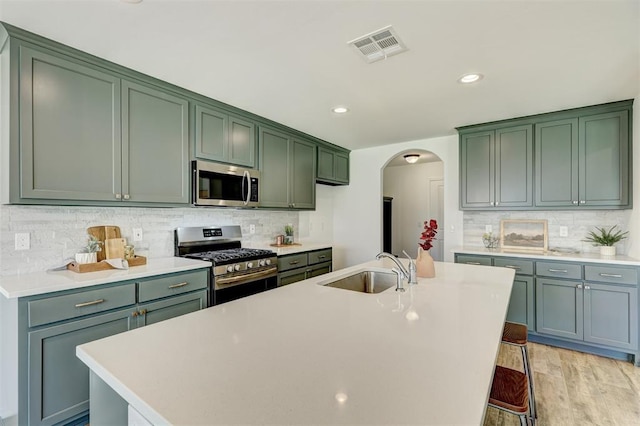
[(378, 45)]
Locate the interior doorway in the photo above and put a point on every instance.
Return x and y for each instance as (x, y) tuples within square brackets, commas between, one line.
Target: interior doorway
[(412, 194)]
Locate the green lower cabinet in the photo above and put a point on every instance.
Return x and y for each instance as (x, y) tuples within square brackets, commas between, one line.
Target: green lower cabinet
[(602, 314), (151, 313), (521, 304), (53, 382), (611, 315), (58, 380), (559, 309), (304, 265)]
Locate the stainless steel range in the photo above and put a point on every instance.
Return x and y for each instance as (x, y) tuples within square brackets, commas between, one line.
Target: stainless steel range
[(237, 272)]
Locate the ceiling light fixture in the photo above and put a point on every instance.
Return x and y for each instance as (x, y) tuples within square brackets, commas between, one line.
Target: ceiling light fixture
[(470, 78), (340, 110), (411, 158)]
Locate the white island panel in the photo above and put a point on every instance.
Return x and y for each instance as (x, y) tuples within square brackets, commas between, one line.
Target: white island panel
[(308, 354)]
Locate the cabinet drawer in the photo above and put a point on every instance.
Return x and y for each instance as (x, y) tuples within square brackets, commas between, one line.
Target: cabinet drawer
[(319, 256), (170, 285), (473, 260), (292, 261), (611, 274), (522, 267), (291, 277), (60, 308), (559, 269)]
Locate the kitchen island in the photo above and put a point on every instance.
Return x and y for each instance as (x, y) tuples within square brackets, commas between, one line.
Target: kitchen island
[(309, 354)]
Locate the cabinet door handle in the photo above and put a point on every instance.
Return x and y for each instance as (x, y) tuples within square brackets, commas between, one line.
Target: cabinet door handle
[(126, 196), (586, 287), (322, 257), (513, 267), (143, 312), (473, 263), (135, 314), (118, 196), (94, 302), (294, 262), (497, 203), (579, 286), (561, 271), (574, 202), (178, 285), (610, 275), (583, 202)]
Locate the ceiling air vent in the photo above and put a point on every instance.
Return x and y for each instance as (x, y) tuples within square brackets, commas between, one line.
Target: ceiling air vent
[(378, 45)]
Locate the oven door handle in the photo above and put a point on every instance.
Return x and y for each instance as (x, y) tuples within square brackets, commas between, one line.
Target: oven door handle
[(246, 178), (241, 279)]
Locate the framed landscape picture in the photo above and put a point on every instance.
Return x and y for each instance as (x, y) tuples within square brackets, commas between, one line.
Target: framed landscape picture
[(518, 234)]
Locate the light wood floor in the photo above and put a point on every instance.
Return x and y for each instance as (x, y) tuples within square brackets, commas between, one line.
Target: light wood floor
[(574, 388)]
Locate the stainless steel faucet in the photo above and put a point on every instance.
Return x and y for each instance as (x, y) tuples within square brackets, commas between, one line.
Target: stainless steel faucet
[(401, 271), (413, 277)]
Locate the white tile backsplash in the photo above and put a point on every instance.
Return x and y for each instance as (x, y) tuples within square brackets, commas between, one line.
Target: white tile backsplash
[(579, 223), (58, 232)]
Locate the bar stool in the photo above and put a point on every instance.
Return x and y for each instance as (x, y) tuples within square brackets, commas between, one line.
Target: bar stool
[(515, 334), (510, 393)]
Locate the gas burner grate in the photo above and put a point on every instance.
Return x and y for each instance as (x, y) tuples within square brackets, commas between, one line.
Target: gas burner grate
[(231, 254)]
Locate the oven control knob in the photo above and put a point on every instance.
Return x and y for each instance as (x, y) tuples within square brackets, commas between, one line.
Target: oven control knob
[(249, 265), (261, 262), (268, 261), (236, 267), (230, 268)]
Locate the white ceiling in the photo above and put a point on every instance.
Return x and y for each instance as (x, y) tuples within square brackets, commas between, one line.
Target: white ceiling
[(289, 61)]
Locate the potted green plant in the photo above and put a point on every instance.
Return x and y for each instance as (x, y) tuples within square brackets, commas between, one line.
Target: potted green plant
[(606, 238), (90, 251), (288, 234)]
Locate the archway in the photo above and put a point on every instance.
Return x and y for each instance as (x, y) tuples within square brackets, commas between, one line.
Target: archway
[(413, 192)]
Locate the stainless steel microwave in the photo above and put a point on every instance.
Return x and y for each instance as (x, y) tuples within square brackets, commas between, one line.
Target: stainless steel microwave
[(224, 185)]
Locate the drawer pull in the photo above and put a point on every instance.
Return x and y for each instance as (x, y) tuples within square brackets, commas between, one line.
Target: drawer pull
[(94, 302), (473, 263), (513, 267), (143, 312), (179, 285), (579, 286), (611, 275), (294, 262), (322, 256), (561, 271), (134, 314)]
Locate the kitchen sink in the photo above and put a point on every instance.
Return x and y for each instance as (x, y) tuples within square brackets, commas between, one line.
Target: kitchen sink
[(365, 282)]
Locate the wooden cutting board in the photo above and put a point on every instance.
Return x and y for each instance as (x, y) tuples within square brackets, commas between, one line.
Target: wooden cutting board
[(104, 233), (114, 248)]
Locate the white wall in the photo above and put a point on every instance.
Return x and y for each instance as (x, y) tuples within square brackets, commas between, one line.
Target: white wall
[(633, 244), (409, 187), (357, 220)]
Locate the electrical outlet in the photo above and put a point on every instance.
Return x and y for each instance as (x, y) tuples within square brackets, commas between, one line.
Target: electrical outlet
[(22, 241), (252, 229), (137, 234), (564, 231), (488, 229)]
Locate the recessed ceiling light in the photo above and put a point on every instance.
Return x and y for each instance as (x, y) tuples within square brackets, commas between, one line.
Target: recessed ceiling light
[(340, 110), (470, 78), (411, 158)]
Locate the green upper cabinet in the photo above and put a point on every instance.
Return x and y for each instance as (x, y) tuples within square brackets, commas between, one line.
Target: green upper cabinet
[(287, 170), (69, 143), (155, 142), (90, 137), (333, 166), (223, 137), (496, 168), (582, 160)]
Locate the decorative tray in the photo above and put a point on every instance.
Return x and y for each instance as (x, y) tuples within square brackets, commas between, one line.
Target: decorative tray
[(285, 245), (103, 266)]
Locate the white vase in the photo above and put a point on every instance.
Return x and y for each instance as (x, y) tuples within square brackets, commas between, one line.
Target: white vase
[(424, 264), (607, 250), (86, 257)]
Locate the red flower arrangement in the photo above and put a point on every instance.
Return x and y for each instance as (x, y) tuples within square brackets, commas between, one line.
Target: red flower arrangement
[(429, 234)]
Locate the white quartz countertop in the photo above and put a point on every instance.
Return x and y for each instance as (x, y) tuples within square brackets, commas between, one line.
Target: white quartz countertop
[(47, 282), (309, 354), (292, 249), (552, 255)]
